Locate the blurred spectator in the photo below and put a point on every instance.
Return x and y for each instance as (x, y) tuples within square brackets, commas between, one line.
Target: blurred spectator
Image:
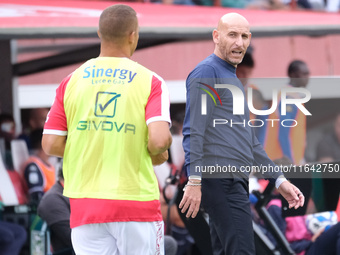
[(38, 173), (304, 4), (177, 123), (328, 149), (248, 4), (226, 3), (245, 69), (326, 241), (7, 134), (286, 140), (292, 139), (54, 208), (316, 5), (266, 5), (7, 131), (12, 238), (319, 5), (36, 119), (176, 2)]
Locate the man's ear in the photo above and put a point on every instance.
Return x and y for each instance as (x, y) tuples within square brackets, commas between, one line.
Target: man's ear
[(249, 40), (98, 33), (132, 37), (215, 35)]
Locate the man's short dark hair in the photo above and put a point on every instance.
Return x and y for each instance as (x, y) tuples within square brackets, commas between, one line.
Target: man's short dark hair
[(35, 138), (117, 21), (177, 122), (247, 60), (294, 66)]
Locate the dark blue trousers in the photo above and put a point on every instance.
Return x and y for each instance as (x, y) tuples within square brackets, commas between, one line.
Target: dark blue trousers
[(12, 238), (227, 203)]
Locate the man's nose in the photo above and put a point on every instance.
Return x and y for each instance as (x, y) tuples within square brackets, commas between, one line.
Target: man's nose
[(239, 41)]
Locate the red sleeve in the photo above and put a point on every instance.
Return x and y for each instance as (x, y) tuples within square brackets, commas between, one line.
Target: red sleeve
[(158, 105), (56, 123)]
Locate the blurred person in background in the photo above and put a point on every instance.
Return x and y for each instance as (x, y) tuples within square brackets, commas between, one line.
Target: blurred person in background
[(12, 238), (302, 4), (54, 208), (290, 139), (328, 151), (39, 174), (246, 4), (7, 134), (7, 129), (326, 241), (36, 119), (245, 69)]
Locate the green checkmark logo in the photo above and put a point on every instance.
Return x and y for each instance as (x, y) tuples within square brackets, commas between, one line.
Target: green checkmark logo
[(106, 104)]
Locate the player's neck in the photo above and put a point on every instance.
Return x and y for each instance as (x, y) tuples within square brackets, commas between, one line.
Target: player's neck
[(115, 51)]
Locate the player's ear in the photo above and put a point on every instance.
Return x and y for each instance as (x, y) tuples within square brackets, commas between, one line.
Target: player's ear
[(98, 33), (133, 37), (215, 35), (249, 39)]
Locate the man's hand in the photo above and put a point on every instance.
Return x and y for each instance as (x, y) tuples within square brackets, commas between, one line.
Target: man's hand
[(191, 200), (159, 158), (317, 234), (292, 194)]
